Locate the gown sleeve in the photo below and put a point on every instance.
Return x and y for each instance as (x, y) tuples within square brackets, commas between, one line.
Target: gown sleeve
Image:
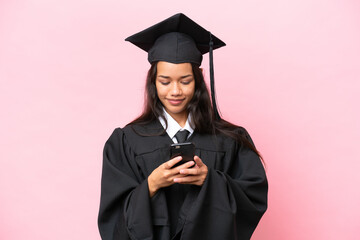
[(125, 202), (231, 201)]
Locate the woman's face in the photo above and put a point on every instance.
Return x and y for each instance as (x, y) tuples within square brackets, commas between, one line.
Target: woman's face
[(175, 85)]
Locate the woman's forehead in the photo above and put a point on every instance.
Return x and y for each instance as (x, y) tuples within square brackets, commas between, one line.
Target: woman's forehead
[(179, 69)]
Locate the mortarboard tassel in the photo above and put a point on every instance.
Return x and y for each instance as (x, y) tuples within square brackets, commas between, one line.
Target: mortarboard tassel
[(212, 83)]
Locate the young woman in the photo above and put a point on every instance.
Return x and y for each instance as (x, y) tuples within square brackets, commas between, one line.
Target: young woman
[(222, 194)]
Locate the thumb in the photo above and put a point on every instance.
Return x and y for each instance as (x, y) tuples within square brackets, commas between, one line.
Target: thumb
[(198, 161)]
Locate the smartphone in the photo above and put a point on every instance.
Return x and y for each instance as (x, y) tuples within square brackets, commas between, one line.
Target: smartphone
[(186, 150)]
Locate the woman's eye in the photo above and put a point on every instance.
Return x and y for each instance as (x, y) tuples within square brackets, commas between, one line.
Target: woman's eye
[(164, 83), (186, 82)]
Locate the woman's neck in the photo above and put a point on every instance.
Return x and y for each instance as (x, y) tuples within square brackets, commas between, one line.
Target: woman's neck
[(180, 118)]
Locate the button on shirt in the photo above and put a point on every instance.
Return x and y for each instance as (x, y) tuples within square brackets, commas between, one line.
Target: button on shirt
[(173, 126)]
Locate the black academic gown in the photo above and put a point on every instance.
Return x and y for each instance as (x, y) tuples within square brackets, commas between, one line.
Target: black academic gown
[(229, 205)]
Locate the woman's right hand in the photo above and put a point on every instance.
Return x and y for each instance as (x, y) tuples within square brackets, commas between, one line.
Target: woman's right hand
[(164, 175)]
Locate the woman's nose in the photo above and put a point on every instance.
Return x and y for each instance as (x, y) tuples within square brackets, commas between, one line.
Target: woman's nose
[(176, 89)]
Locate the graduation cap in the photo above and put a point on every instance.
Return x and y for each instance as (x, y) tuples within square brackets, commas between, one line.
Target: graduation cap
[(178, 39)]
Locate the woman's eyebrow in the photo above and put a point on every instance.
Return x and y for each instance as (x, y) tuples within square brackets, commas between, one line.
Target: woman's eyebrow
[(189, 75), (162, 76), (167, 77)]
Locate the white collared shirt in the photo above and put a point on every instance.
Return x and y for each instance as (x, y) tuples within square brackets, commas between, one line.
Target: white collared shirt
[(174, 126)]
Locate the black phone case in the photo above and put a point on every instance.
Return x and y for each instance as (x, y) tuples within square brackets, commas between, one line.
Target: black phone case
[(186, 150)]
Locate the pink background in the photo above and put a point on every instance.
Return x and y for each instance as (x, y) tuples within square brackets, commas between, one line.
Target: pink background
[(290, 74)]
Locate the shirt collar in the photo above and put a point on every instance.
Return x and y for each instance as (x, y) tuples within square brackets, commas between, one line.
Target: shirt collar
[(173, 126)]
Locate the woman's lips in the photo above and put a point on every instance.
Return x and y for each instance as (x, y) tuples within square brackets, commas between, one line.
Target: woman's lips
[(175, 102)]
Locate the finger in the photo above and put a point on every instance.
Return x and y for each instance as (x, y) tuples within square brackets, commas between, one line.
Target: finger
[(185, 165), (169, 164), (187, 180), (198, 161), (190, 171)]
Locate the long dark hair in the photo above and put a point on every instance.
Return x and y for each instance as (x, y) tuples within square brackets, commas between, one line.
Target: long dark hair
[(200, 107)]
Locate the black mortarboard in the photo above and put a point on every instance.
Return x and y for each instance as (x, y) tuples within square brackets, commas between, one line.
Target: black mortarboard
[(179, 39)]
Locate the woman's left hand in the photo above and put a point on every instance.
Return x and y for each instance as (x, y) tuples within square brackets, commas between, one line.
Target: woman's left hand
[(195, 175)]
